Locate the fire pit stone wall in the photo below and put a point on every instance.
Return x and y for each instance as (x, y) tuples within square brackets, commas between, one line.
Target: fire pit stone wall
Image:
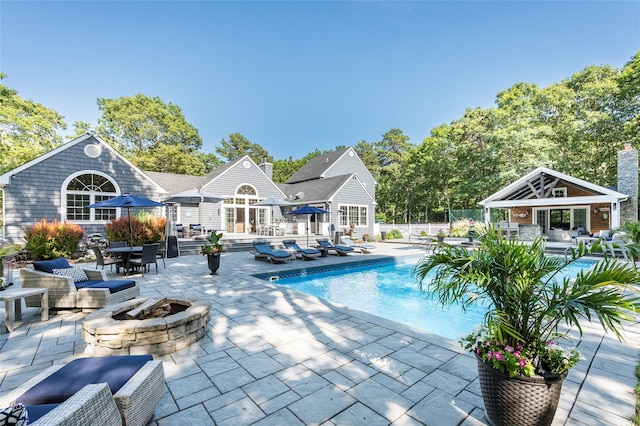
[(106, 335)]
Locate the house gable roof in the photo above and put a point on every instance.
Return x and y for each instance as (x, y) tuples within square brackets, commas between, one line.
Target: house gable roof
[(317, 191), (317, 167), (174, 183), (6, 177), (218, 172), (536, 188)]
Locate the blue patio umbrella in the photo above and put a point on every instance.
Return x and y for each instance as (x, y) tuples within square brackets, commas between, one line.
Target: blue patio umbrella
[(128, 201), (307, 210)]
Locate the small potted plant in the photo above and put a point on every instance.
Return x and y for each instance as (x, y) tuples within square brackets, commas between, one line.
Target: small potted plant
[(528, 300), (212, 250), (441, 235)]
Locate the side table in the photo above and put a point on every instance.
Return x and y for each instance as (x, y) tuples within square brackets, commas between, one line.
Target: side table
[(13, 304)]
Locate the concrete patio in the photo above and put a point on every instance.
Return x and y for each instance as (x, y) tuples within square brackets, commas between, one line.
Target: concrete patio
[(274, 356)]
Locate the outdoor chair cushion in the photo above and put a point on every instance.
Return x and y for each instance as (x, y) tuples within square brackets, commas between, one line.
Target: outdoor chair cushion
[(77, 274), (37, 411), (50, 265), (114, 286), (61, 385)]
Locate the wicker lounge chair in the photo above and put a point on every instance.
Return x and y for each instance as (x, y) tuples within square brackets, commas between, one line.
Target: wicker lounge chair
[(304, 253), (64, 292), (325, 244), (136, 400), (262, 250), (92, 405)]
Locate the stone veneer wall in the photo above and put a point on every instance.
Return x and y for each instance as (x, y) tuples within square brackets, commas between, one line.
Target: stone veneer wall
[(156, 336), (628, 182), (529, 232)]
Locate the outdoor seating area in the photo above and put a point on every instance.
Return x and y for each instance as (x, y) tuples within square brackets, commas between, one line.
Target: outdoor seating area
[(74, 287), (340, 250), (277, 356)]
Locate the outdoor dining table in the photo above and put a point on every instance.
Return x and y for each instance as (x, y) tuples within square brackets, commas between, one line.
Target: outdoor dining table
[(126, 255)]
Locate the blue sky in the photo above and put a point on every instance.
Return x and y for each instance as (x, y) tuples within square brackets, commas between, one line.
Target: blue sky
[(296, 76)]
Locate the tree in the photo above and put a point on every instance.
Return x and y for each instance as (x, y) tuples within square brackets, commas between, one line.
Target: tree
[(367, 153), (238, 146), (173, 159), (392, 147), (27, 129), (138, 124)]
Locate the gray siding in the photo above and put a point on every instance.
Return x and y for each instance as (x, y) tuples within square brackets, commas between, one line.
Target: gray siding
[(238, 175), (35, 193), (347, 165), (352, 194)]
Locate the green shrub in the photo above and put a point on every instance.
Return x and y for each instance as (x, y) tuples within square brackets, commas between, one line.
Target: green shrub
[(460, 228), (394, 234), (632, 230), (51, 240), (423, 233), (146, 229)]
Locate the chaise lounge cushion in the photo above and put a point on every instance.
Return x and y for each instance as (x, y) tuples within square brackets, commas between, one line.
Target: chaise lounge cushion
[(50, 265), (60, 386), (114, 286)]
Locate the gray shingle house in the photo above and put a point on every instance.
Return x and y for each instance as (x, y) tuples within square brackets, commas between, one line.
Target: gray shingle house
[(86, 170)]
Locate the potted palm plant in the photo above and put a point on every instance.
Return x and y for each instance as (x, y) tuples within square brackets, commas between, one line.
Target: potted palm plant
[(212, 250), (519, 345)]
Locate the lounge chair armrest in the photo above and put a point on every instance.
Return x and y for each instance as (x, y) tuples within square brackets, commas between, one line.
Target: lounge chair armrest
[(33, 278), (93, 404)]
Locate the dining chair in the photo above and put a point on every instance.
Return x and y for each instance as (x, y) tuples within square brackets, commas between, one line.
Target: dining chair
[(149, 256), (162, 252), (101, 261)]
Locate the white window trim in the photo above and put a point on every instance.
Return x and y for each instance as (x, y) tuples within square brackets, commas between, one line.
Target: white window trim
[(562, 190), (342, 207), (63, 197)]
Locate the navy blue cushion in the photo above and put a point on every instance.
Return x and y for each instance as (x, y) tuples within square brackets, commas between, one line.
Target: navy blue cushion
[(50, 265), (37, 411), (83, 284), (114, 286), (61, 385)]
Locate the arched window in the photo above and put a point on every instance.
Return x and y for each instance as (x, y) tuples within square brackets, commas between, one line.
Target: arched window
[(88, 188), (246, 190)]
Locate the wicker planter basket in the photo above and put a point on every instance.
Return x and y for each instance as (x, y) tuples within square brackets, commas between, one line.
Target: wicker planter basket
[(520, 400)]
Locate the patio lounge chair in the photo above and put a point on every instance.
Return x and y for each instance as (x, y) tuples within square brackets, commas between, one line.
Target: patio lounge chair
[(304, 253), (91, 405), (325, 244), (75, 288), (135, 382), (364, 248), (262, 250)]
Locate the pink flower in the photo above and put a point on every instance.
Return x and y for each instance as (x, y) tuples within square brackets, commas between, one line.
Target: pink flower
[(498, 355), (489, 356), (508, 348), (519, 346), (488, 343), (478, 351), (522, 362), (516, 354)]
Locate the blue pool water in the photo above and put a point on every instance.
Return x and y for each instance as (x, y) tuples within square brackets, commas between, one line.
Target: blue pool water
[(390, 290)]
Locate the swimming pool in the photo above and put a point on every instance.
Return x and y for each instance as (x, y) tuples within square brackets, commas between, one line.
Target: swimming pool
[(387, 288)]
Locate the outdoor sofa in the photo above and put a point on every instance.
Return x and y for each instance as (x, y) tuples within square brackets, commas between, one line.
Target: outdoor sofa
[(135, 383), (75, 288)]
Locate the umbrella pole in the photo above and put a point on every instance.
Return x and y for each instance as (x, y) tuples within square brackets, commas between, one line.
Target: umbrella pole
[(130, 227)]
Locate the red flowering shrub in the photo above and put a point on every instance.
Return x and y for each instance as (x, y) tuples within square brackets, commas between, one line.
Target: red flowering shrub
[(51, 240)]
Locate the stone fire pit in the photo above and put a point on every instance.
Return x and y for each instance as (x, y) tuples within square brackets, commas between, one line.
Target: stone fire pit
[(108, 331)]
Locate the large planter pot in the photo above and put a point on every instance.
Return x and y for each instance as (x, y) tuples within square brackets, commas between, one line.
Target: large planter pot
[(213, 261), (520, 400)]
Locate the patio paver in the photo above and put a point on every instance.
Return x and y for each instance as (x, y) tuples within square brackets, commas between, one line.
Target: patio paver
[(274, 356)]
